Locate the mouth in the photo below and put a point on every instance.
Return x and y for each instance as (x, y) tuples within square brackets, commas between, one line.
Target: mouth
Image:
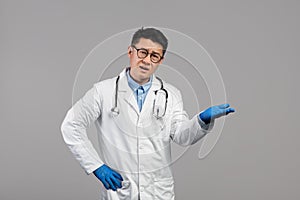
[(144, 68)]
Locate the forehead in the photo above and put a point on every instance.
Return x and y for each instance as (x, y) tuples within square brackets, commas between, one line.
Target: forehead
[(149, 44)]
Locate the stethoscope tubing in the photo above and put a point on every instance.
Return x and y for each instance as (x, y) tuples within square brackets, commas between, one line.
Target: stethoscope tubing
[(115, 109)]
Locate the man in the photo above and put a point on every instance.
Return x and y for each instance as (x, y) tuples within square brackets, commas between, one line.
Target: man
[(137, 116)]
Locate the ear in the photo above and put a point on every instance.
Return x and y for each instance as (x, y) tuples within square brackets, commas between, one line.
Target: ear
[(129, 51)]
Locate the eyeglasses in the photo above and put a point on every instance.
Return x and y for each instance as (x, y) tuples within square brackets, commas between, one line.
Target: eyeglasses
[(143, 53)]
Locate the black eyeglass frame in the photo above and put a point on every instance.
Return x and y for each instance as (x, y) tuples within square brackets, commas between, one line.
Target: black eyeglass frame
[(151, 58)]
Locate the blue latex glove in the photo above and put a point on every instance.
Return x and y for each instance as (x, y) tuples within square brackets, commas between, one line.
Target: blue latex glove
[(109, 178), (214, 112)]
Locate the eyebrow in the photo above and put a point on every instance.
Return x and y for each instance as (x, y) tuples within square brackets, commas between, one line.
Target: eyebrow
[(155, 52)]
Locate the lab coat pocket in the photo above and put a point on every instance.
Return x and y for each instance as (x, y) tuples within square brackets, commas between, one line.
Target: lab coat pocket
[(124, 193), (164, 188), (127, 192)]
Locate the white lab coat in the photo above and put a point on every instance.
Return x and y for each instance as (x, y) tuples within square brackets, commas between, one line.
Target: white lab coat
[(134, 143)]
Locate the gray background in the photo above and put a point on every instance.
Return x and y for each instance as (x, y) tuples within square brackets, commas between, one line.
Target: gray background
[(254, 43)]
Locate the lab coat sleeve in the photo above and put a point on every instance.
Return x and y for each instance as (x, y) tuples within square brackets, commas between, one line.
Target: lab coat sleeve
[(74, 129), (185, 131)]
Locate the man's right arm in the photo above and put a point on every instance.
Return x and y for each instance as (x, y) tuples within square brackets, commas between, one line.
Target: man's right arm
[(74, 129)]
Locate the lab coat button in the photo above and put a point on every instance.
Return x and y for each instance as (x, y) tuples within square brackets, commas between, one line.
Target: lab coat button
[(142, 189)]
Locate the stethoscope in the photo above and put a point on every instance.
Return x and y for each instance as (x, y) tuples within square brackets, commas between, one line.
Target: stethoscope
[(160, 95)]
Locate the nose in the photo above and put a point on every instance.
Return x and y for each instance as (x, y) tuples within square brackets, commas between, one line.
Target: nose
[(147, 59)]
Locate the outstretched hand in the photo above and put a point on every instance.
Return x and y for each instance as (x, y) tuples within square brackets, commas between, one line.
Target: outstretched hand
[(110, 178), (214, 112)]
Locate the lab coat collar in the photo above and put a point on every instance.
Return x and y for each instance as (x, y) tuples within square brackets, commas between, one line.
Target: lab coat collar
[(126, 93), (124, 87)]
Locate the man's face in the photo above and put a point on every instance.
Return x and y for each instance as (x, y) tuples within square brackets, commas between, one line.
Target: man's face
[(142, 68)]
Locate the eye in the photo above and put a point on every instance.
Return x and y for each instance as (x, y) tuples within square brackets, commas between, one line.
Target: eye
[(143, 52), (155, 56)]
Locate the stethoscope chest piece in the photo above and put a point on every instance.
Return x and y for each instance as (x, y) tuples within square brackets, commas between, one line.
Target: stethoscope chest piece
[(115, 111), (160, 104)]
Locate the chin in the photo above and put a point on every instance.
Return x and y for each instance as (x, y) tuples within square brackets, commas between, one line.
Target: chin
[(144, 77)]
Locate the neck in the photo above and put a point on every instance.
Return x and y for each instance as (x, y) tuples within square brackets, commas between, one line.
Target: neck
[(139, 81)]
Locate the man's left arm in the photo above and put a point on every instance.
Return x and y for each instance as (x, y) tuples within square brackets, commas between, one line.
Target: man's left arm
[(186, 132)]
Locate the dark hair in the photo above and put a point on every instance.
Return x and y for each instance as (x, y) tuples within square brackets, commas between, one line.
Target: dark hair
[(152, 34)]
